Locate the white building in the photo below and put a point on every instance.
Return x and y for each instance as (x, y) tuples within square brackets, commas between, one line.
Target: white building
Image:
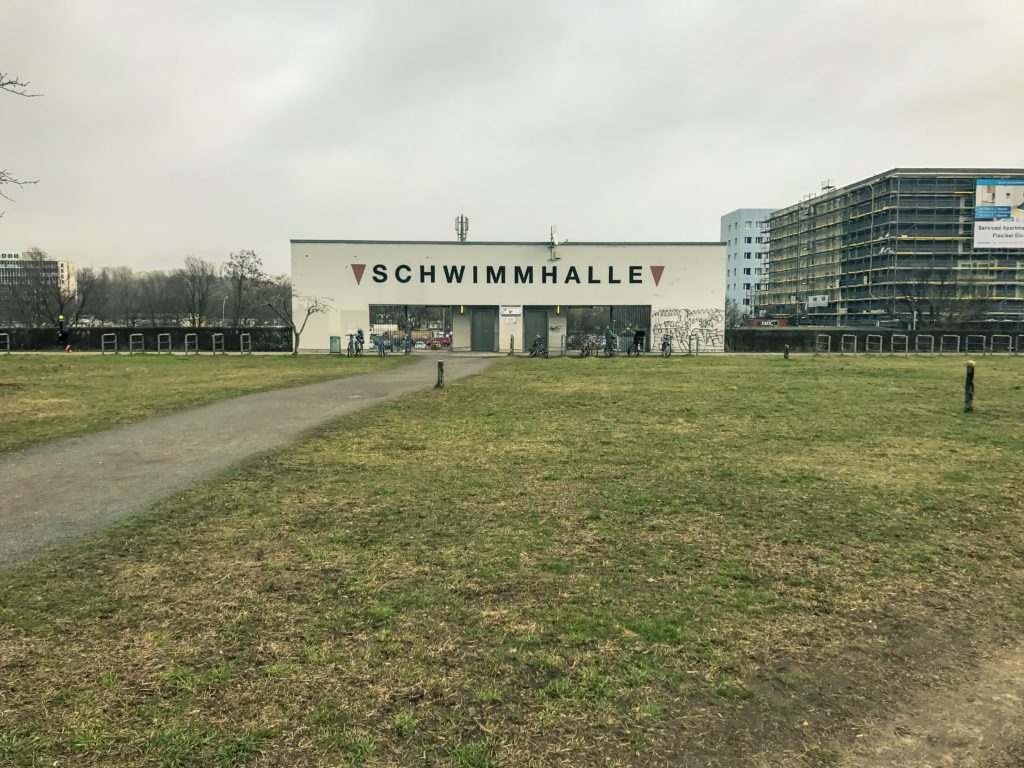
[(746, 260), (17, 268), (496, 296)]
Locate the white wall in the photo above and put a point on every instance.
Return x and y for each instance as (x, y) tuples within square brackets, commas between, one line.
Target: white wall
[(689, 293)]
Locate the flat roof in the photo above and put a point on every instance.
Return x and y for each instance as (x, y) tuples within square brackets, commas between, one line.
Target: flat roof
[(544, 243)]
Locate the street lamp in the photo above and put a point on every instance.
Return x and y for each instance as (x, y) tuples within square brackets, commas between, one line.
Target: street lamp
[(223, 304)]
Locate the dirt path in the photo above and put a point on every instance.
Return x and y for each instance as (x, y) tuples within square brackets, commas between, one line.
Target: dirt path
[(978, 723), (60, 492)]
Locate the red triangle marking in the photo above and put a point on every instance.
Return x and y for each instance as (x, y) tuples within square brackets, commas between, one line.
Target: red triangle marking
[(656, 271), (357, 270)]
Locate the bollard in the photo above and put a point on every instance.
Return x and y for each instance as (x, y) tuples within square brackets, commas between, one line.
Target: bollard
[(785, 353), (969, 388), (440, 375), (511, 344)]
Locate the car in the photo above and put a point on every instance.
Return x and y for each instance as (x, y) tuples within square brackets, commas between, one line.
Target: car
[(420, 345)]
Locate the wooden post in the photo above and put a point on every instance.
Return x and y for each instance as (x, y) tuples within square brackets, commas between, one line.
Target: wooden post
[(440, 375), (511, 344), (969, 388), (785, 353)]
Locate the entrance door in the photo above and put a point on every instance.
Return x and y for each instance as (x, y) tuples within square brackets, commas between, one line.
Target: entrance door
[(482, 330), (535, 323)]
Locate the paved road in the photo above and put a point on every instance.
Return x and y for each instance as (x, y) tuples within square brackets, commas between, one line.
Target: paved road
[(60, 492)]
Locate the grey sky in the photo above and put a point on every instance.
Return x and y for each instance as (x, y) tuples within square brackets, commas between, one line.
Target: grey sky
[(196, 127)]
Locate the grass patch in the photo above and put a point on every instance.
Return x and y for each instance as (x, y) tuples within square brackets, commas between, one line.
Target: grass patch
[(675, 562), (50, 397)]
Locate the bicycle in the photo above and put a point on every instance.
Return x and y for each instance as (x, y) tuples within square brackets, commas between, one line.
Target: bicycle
[(666, 345), (351, 351), (538, 349), (611, 346)]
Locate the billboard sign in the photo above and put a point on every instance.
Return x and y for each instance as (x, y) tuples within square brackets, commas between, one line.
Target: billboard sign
[(817, 300), (999, 213)]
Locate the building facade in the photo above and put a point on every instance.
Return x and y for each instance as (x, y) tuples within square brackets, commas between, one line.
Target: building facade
[(17, 269), (497, 297), (746, 255), (907, 248)]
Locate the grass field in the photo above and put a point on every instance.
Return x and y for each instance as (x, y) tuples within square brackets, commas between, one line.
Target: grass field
[(49, 397), (724, 561)]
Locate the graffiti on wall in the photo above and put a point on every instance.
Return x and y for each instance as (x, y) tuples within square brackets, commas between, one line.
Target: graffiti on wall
[(700, 325)]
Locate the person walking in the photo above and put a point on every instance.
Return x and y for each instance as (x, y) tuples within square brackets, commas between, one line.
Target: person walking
[(63, 332)]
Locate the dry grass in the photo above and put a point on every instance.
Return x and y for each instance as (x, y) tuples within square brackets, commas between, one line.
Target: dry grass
[(658, 562), (49, 397)]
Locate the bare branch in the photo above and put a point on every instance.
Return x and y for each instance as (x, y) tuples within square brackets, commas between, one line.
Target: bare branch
[(12, 84)]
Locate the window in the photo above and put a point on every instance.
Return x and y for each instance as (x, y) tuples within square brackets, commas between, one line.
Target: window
[(746, 302), (746, 254), (746, 224), (746, 286), (760, 239), (758, 256), (746, 240), (746, 270)]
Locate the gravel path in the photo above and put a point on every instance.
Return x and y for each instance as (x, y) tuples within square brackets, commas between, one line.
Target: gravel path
[(60, 492)]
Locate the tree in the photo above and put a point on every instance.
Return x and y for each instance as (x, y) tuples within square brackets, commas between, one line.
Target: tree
[(197, 278), (12, 84), (733, 316), (942, 296), (246, 279), (287, 305)]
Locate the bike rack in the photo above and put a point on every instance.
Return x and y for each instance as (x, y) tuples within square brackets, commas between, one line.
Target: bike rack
[(218, 343), (848, 344), (822, 344), (1005, 340), (918, 344), (971, 344), (693, 345), (942, 343), (163, 343), (905, 344), (108, 343), (5, 343), (245, 344), (192, 343), (136, 343), (873, 344), (1016, 347)]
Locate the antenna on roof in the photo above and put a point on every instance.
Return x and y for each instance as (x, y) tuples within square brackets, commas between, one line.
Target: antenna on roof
[(827, 186), (555, 242), (462, 227)]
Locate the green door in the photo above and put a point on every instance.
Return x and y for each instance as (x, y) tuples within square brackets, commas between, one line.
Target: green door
[(483, 330), (535, 323)]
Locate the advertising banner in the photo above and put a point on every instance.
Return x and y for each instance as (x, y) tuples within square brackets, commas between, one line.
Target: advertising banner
[(999, 213)]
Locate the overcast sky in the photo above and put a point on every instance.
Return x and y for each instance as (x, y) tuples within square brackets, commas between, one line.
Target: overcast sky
[(169, 128)]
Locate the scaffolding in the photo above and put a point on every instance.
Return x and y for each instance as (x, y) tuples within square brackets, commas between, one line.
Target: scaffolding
[(895, 250)]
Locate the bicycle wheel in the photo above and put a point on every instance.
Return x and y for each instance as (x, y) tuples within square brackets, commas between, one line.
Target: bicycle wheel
[(544, 352), (666, 350)]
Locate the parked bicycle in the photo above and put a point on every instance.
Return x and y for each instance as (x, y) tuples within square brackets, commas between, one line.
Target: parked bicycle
[(351, 351), (538, 349), (666, 345), (588, 347), (638, 344), (611, 344)]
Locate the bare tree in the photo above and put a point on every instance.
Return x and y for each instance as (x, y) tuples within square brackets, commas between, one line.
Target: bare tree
[(942, 296), (197, 278), (289, 306), (733, 316), (246, 278), (12, 84), (125, 301)]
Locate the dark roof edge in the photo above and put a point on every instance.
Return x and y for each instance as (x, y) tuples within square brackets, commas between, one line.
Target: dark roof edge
[(496, 242)]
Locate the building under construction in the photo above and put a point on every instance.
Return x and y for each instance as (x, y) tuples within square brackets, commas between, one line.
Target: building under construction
[(911, 247)]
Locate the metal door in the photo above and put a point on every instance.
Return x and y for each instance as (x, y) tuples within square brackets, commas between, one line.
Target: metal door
[(535, 323), (482, 330)]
